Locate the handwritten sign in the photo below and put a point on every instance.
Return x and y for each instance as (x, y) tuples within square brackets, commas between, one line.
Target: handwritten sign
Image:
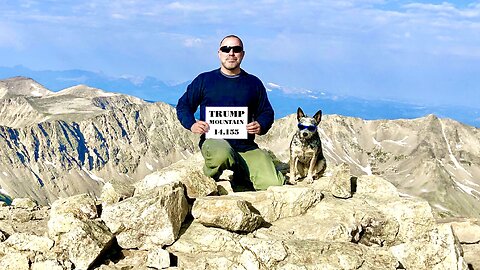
[(226, 122)]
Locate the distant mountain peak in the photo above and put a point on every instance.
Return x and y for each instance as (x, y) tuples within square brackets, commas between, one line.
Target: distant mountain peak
[(82, 90), (22, 86)]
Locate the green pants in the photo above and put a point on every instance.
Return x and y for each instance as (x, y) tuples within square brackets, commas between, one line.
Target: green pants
[(255, 165)]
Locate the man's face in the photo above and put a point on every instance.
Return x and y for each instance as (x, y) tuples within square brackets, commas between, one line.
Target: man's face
[(231, 60)]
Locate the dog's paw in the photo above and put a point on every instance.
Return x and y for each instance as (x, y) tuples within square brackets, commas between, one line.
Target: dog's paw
[(292, 180), (309, 180)]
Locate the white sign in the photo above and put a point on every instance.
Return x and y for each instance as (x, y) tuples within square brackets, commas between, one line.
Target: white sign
[(226, 122)]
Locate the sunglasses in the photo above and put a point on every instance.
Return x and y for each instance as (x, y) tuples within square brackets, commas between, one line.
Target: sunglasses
[(236, 49), (309, 128)]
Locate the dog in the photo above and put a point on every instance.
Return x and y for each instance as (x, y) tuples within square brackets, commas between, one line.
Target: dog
[(306, 155)]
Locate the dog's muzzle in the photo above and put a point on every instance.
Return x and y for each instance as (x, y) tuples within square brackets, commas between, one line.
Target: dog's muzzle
[(305, 134)]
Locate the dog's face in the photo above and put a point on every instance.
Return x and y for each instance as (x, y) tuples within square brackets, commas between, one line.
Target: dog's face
[(307, 126)]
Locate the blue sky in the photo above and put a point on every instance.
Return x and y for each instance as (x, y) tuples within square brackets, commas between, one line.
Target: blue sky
[(425, 52)]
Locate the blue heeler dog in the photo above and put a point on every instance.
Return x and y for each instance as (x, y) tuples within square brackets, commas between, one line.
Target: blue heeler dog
[(306, 155)]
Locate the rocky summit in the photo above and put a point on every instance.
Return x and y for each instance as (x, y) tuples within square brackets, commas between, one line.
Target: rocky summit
[(305, 226), (98, 180)]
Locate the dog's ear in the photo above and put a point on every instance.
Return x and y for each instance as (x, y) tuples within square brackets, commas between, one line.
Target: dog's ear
[(300, 113), (318, 116)]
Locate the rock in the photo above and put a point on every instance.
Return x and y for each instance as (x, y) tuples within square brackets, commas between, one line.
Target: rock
[(22, 215), (75, 231), (375, 186), (130, 259), (292, 201), (470, 253), (201, 247), (148, 220), (281, 201), (414, 216), (26, 242), (81, 206), (47, 265), (113, 193), (437, 249), (197, 238), (338, 221), (15, 261), (310, 254), (189, 172), (467, 230), (21, 250), (18, 220), (25, 203), (268, 253), (224, 188), (341, 182), (158, 258), (226, 212)]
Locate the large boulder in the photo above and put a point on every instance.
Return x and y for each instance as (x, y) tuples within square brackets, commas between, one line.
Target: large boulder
[(115, 192), (437, 249), (341, 182), (189, 172), (467, 230), (148, 220), (25, 203), (226, 212), (28, 242), (281, 201), (77, 231)]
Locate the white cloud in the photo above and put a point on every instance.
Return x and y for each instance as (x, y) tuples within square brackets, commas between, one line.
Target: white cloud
[(273, 85), (445, 9), (192, 42), (194, 6), (119, 16)]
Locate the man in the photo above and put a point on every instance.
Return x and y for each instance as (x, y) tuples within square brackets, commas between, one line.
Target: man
[(231, 86)]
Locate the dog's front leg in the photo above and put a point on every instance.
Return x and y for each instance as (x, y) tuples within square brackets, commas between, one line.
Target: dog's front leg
[(293, 169), (311, 169)]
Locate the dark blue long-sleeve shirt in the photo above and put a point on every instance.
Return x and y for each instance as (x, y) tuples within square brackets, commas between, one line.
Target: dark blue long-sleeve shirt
[(213, 88)]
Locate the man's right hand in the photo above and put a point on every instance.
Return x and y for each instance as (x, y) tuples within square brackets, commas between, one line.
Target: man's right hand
[(200, 127)]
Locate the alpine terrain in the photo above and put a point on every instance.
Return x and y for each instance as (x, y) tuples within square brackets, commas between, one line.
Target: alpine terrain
[(101, 181), (68, 142), (57, 144)]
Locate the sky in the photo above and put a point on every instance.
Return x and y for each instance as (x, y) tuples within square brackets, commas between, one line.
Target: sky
[(423, 52)]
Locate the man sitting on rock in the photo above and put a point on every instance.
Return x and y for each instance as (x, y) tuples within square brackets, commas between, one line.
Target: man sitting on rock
[(227, 87)]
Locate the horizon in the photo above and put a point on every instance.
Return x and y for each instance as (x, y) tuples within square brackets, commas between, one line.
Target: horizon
[(153, 90), (421, 52)]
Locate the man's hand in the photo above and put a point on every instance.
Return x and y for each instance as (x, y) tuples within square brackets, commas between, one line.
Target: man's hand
[(253, 128), (200, 127)]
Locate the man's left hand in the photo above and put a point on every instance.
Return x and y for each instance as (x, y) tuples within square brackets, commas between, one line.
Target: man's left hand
[(253, 128)]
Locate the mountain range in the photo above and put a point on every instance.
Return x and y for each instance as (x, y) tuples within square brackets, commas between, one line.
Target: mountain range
[(285, 100), (57, 144), (61, 143)]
